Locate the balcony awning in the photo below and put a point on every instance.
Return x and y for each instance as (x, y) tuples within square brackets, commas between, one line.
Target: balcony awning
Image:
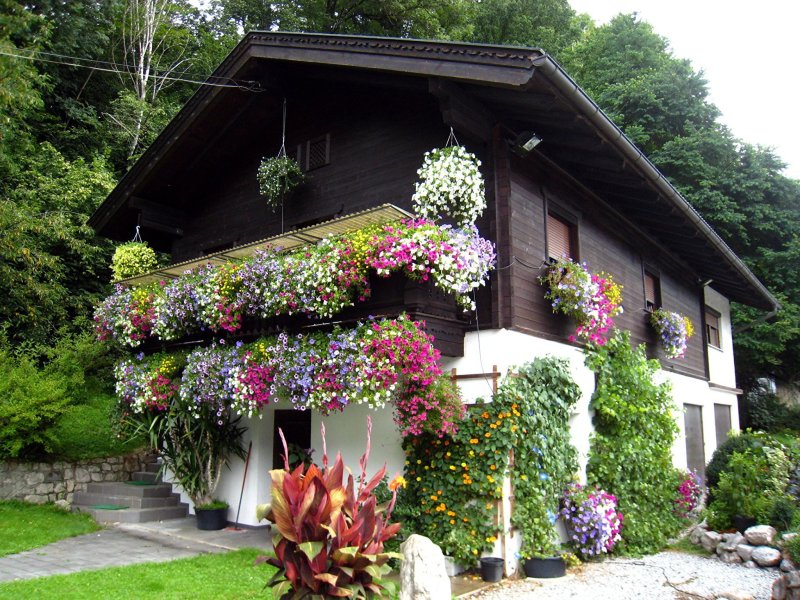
[(380, 215)]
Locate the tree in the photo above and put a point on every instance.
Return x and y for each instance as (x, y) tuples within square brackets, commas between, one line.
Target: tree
[(548, 24), (52, 267)]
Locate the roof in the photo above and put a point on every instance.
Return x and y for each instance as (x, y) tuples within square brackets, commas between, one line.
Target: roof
[(524, 88)]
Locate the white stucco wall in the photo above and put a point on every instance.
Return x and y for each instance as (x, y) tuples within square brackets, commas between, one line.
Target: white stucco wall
[(721, 367)]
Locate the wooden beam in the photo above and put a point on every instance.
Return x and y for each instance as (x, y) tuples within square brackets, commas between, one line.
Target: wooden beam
[(460, 111)]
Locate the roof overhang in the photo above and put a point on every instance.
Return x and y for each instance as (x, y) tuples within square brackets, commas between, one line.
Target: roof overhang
[(521, 84)]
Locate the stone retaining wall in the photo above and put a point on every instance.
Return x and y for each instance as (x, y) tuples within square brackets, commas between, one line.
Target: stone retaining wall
[(47, 482)]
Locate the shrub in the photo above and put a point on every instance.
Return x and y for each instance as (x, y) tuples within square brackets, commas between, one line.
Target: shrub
[(719, 460), (32, 402), (792, 546), (752, 483), (88, 430), (783, 513), (631, 450)]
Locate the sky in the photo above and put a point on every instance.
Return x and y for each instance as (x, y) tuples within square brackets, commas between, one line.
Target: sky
[(747, 52)]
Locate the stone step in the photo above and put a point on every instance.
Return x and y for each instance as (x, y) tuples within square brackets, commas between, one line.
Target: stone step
[(86, 499), (150, 490), (153, 467), (146, 476), (135, 515)]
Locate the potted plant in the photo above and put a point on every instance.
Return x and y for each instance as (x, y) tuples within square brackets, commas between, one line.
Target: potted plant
[(277, 177), (591, 300), (131, 259), (194, 435), (593, 521), (329, 534), (211, 516), (540, 551), (674, 331)]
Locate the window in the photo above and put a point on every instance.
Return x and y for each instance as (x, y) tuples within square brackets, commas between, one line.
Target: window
[(652, 292), (315, 153), (712, 328), (560, 238)]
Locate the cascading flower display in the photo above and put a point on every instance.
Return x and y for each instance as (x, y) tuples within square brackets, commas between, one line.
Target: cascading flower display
[(320, 280), (674, 331), (593, 522), (593, 300), (148, 383), (450, 185), (375, 363)]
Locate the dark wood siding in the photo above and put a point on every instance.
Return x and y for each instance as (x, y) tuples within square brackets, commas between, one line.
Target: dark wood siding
[(602, 243), (376, 146)]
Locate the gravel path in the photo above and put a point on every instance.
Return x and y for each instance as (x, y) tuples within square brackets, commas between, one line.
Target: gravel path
[(664, 576)]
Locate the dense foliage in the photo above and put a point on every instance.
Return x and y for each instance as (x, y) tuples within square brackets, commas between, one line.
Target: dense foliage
[(631, 448), (455, 482)]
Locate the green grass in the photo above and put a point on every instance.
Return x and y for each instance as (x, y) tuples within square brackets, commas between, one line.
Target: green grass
[(25, 526), (685, 545), (211, 576)]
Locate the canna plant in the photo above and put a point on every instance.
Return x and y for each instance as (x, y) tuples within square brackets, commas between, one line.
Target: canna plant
[(330, 534)]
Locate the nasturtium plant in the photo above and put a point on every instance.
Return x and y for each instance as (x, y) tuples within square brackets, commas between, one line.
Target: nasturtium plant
[(455, 482), (131, 259)]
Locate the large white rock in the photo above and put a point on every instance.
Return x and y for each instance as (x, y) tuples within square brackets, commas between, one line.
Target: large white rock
[(422, 573), (766, 556), (745, 551), (760, 535)]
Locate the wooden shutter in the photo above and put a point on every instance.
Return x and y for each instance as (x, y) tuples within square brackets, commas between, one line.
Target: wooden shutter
[(650, 294), (712, 330), (559, 238)]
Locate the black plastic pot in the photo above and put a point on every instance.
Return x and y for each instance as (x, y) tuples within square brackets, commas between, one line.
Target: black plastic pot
[(211, 519), (742, 523), (491, 568), (545, 568)]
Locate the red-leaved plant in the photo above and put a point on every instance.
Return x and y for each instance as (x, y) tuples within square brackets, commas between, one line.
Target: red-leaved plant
[(330, 536)]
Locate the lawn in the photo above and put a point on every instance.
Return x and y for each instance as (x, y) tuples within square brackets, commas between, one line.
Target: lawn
[(25, 526), (210, 576)]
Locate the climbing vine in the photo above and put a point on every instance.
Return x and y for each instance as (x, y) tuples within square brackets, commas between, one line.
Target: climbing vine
[(455, 482), (631, 448)]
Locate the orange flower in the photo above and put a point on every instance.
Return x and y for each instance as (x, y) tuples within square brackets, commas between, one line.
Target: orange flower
[(398, 481)]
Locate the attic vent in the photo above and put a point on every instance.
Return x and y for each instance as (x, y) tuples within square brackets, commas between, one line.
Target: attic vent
[(315, 153)]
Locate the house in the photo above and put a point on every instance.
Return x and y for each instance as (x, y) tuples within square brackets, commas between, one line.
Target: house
[(560, 178)]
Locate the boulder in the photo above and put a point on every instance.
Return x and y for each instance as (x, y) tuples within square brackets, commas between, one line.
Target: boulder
[(730, 558), (779, 589), (422, 573), (729, 542), (760, 535), (749, 564), (696, 533), (787, 566), (745, 551), (709, 540), (766, 556)]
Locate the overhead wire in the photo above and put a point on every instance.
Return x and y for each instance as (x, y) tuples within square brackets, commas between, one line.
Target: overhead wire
[(124, 69)]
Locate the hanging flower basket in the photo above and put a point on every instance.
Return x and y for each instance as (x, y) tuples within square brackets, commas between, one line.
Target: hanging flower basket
[(131, 259), (591, 300), (277, 178), (674, 331), (451, 185)]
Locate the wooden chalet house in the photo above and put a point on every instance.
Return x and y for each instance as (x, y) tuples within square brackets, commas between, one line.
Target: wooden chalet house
[(560, 178)]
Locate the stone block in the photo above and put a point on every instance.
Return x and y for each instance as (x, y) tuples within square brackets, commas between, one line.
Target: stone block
[(745, 551), (34, 478), (730, 558), (766, 556), (97, 476), (422, 574), (730, 541), (106, 467), (82, 476), (709, 540), (44, 488), (761, 535)]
